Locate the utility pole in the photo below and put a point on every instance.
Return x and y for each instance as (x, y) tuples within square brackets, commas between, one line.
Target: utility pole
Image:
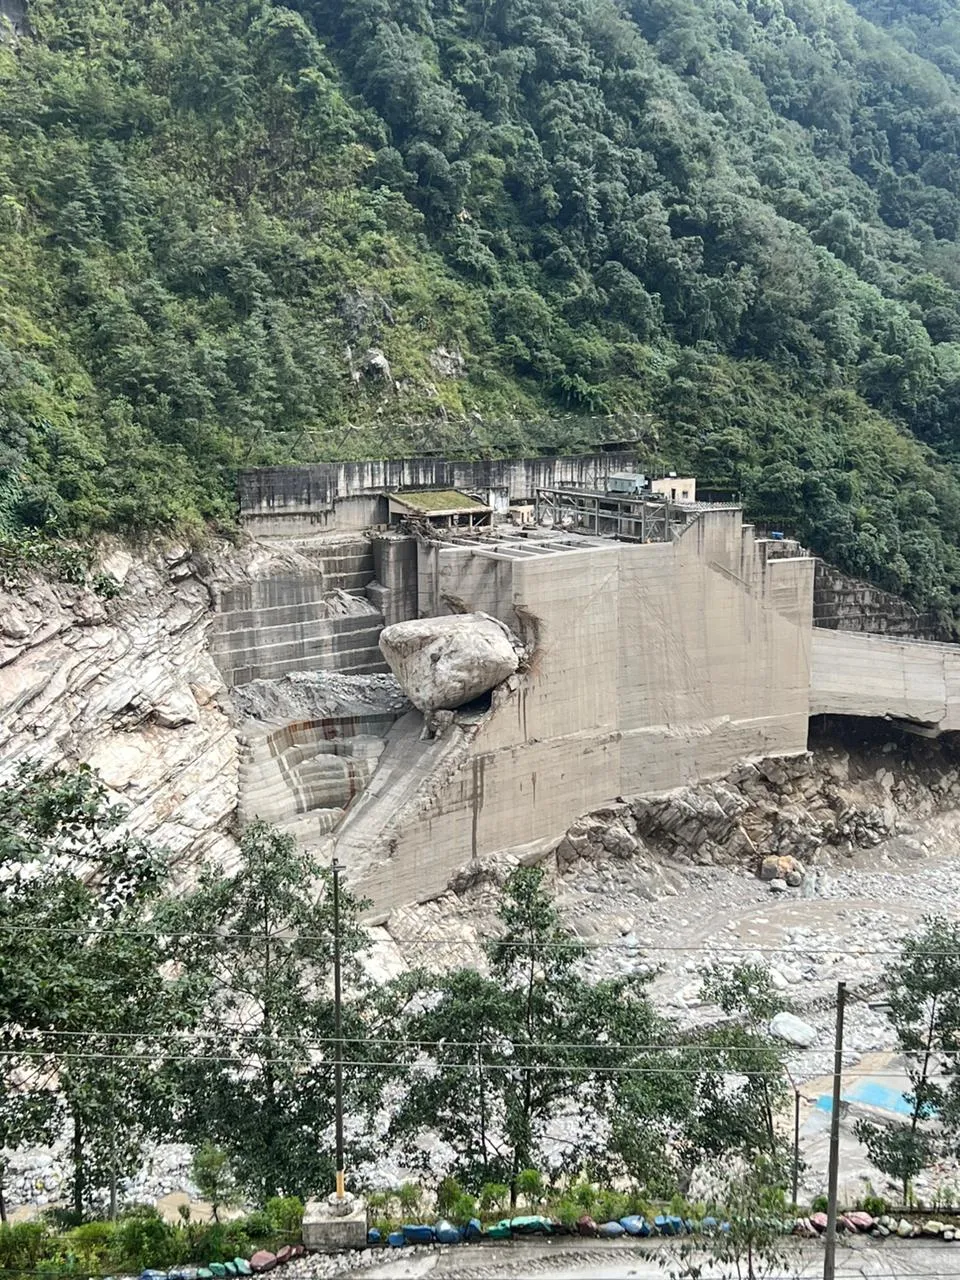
[(796, 1136), (338, 1040), (830, 1252)]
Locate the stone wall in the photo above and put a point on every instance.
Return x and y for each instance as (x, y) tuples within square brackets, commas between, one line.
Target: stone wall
[(299, 501), (653, 666), (842, 603)]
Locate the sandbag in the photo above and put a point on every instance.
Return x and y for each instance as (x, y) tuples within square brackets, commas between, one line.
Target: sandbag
[(531, 1225), (499, 1231), (634, 1224), (417, 1233), (395, 1239), (446, 1232), (610, 1230)]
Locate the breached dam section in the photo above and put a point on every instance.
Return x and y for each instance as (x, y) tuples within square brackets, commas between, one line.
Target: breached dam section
[(650, 666)]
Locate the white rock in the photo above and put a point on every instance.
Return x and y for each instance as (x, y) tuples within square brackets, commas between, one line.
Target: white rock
[(443, 663), (788, 1027)]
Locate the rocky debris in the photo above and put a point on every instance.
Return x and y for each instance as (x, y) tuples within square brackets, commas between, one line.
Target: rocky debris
[(447, 363), (780, 816), (445, 663), (318, 695), (375, 365), (788, 1027)]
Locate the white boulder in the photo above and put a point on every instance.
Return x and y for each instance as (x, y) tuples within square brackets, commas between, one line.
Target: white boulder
[(443, 663), (787, 1026)]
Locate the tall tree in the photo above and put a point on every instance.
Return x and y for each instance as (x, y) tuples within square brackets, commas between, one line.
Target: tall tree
[(496, 1057), (923, 1009), (82, 996), (261, 1084)]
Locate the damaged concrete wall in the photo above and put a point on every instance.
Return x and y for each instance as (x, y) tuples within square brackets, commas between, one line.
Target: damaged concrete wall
[(872, 675), (654, 666)]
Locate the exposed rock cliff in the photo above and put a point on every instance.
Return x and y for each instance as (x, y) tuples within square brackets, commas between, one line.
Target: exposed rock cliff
[(127, 685)]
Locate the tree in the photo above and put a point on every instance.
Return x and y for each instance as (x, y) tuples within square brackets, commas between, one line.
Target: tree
[(262, 958), (214, 1178), (750, 1243), (81, 992), (712, 1095), (923, 1008), (497, 1057)]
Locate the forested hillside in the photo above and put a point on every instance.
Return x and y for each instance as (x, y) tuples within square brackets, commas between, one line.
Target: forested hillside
[(737, 216)]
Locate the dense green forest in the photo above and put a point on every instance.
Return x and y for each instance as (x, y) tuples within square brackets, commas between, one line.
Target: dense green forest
[(732, 222)]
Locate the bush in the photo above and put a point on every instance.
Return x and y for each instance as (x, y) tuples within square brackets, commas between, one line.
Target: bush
[(585, 1194), (24, 1245), (258, 1225), (819, 1204), (611, 1206), (876, 1206), (567, 1211), (286, 1213), (144, 1240), (448, 1193), (494, 1197), (92, 1243), (530, 1185), (409, 1196), (463, 1208)]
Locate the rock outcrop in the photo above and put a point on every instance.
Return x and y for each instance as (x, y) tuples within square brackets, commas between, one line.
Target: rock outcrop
[(128, 686), (780, 815), (443, 663)]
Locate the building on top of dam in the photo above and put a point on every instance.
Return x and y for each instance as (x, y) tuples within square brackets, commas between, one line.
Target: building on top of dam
[(666, 642)]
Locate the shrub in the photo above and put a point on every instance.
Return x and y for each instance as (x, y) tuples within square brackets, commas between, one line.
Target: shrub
[(818, 1204), (92, 1243), (530, 1185), (409, 1196), (567, 1210), (876, 1206), (611, 1206), (23, 1245), (448, 1193), (585, 1194), (144, 1240), (258, 1225), (494, 1197), (286, 1213), (463, 1208)]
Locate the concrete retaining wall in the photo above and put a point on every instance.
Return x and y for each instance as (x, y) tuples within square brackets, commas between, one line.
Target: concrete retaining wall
[(842, 603), (298, 501)]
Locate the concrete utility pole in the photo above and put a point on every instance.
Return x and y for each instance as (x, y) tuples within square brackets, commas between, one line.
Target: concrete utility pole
[(830, 1251), (338, 1040)]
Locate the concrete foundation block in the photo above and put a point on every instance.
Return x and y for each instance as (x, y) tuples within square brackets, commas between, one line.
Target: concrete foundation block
[(331, 1224)]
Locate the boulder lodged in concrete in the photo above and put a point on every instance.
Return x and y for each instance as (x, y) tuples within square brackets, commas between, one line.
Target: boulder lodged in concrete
[(444, 663)]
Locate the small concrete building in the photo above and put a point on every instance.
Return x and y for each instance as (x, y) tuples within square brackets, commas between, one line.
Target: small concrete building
[(444, 508), (676, 488)]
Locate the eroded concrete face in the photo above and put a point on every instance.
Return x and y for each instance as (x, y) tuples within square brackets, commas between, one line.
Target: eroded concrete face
[(870, 675), (652, 666)]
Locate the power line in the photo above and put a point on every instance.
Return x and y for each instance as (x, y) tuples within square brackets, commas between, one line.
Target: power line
[(585, 945), (684, 1046), (88, 1055)]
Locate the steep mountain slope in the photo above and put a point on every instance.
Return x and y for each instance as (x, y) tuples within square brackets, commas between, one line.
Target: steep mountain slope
[(237, 233)]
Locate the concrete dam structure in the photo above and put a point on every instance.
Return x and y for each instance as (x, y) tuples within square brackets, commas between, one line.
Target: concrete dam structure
[(649, 665)]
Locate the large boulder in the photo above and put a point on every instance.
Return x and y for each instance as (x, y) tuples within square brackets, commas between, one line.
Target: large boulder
[(788, 1027), (443, 663)]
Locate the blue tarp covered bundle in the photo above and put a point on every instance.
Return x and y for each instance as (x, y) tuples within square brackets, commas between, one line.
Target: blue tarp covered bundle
[(417, 1233)]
